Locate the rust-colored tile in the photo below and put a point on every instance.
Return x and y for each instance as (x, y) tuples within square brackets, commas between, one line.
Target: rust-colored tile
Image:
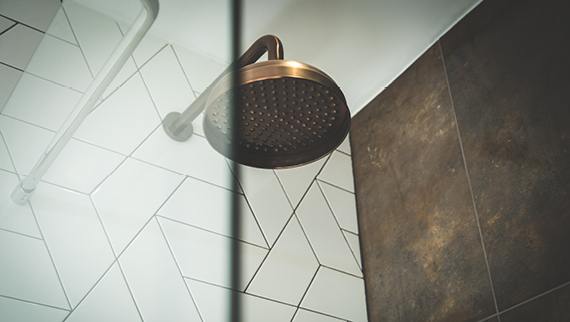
[(547, 308), (422, 252), (508, 65)]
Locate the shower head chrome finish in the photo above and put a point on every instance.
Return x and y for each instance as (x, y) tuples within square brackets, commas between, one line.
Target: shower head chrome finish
[(289, 114), (286, 113)]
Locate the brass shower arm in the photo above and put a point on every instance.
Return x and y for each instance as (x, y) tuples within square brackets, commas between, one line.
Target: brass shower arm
[(179, 126)]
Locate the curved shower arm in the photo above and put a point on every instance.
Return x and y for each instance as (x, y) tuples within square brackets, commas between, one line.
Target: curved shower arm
[(179, 126), (84, 106)]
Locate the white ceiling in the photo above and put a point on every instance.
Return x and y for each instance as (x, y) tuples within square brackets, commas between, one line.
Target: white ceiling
[(363, 45)]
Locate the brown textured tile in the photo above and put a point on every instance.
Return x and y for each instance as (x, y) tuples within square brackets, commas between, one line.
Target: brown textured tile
[(508, 65), (547, 308), (422, 253)]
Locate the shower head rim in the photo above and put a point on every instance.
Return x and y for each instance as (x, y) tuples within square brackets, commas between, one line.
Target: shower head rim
[(291, 72), (275, 69)]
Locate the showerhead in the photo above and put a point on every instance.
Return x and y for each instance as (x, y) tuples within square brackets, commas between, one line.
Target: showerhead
[(289, 114), (286, 113)]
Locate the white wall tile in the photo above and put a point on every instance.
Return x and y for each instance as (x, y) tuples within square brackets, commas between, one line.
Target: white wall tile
[(25, 142), (19, 311), (213, 303), (288, 269), (207, 206), (75, 237), (296, 181), (123, 121), (5, 160), (324, 233), (154, 279), (41, 102), (26, 271), (354, 243), (194, 157), (267, 199), (60, 27), (110, 300), (82, 167), (130, 196), (60, 62), (308, 316), (18, 44), (200, 70), (166, 82), (338, 171), (343, 204), (98, 35), (5, 24), (337, 294), (206, 256), (149, 46), (36, 13), (8, 81), (13, 217)]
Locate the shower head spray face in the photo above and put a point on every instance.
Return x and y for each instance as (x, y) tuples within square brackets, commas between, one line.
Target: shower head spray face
[(288, 114)]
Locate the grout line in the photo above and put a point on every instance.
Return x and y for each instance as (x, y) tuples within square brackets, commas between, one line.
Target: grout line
[(309, 286), (130, 291), (9, 154), (536, 297), (209, 231), (150, 219), (108, 176), (341, 271), (139, 70), (469, 182), (35, 303), (325, 314), (244, 293), (29, 123), (9, 171), (350, 232), (50, 256), (257, 270), (62, 187), (78, 43), (334, 185), (342, 152), (50, 81), (90, 290), (489, 317), (239, 184), (285, 191), (338, 224), (64, 40), (294, 314), (307, 237), (182, 174), (294, 207), (21, 234), (267, 255), (14, 67), (23, 24), (9, 28), (179, 269), (183, 71)]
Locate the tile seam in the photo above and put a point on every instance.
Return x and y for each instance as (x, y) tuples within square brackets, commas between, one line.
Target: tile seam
[(178, 267), (469, 181)]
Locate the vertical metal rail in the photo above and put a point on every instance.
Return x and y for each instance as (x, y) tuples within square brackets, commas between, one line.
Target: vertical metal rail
[(108, 72)]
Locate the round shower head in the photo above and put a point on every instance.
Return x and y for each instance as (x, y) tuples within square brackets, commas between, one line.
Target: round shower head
[(288, 114)]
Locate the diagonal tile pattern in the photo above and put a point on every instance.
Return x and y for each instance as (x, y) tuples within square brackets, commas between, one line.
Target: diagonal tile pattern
[(129, 225)]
